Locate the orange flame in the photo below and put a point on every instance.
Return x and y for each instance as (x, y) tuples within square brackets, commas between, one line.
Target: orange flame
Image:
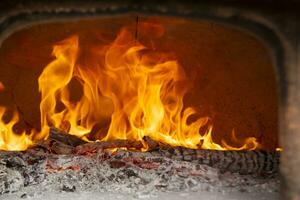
[(140, 89), (249, 143), (10, 140)]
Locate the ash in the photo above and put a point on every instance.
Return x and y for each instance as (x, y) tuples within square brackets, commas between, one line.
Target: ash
[(140, 175)]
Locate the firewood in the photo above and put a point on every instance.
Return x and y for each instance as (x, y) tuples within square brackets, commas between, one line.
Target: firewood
[(51, 146), (152, 145), (65, 138), (242, 162), (98, 146), (58, 147), (58, 142)]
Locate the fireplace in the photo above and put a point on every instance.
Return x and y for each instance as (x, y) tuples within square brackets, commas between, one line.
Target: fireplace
[(147, 100)]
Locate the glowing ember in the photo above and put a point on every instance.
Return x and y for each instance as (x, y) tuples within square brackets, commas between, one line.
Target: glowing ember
[(140, 89)]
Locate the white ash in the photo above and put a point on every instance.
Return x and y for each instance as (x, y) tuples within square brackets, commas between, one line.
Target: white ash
[(143, 176)]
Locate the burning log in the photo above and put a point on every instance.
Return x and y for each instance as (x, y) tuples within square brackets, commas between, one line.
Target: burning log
[(242, 162), (52, 146), (99, 146), (65, 138), (60, 142), (152, 145)]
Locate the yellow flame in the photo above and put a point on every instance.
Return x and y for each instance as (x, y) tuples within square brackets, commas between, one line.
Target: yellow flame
[(139, 89), (10, 140)]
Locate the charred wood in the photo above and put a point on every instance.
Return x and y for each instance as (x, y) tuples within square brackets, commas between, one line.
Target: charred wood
[(95, 147), (68, 139), (242, 162)]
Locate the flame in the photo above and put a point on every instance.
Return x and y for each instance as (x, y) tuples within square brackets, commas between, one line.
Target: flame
[(10, 140), (249, 143), (53, 85), (139, 88)]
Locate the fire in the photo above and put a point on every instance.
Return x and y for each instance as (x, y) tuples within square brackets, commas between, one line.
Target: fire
[(138, 88), (10, 140), (53, 84)]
